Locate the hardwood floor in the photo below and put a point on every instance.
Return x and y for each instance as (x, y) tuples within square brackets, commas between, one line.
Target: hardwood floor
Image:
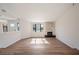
[(38, 46)]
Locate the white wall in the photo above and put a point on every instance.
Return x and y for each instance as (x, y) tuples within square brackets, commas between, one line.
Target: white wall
[(67, 27), (25, 28), (8, 38)]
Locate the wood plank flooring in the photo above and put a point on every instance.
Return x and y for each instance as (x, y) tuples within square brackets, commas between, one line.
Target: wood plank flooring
[(38, 46)]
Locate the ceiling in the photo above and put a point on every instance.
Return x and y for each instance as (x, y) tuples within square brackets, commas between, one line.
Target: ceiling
[(36, 12)]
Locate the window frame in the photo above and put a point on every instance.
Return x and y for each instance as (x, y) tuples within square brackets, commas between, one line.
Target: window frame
[(35, 27)]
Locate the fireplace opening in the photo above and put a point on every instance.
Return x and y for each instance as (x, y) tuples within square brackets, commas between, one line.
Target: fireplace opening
[(50, 34)]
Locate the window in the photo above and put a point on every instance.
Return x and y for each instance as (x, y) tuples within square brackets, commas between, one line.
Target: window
[(5, 28), (12, 25), (37, 27)]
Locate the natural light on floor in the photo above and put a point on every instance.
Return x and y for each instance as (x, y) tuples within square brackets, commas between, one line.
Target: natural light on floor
[(39, 41)]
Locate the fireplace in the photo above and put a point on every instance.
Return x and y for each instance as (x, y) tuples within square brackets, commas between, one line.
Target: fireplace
[(49, 34)]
